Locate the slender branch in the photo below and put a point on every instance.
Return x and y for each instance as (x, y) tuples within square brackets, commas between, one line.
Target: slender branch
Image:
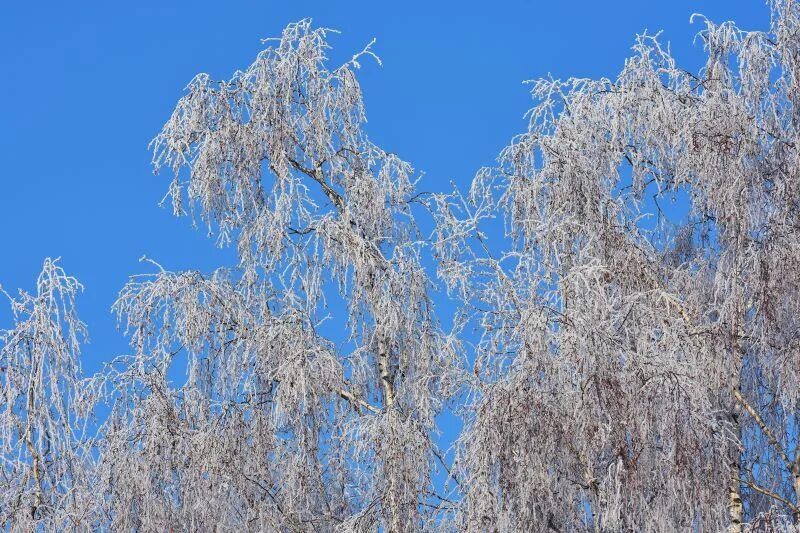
[(447, 469), (771, 494), (764, 428)]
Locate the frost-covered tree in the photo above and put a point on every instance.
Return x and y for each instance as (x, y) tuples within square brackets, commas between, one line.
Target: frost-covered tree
[(278, 427), (631, 266), (46, 405), (639, 367)]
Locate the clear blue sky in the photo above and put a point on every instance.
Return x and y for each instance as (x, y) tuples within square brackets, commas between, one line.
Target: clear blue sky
[(85, 86)]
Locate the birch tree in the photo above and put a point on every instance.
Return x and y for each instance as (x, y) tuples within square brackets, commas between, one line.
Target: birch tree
[(277, 427), (45, 473), (639, 369)]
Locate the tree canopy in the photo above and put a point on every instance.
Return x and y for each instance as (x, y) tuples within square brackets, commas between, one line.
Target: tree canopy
[(623, 355)]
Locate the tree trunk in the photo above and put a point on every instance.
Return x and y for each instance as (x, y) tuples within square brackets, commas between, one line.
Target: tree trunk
[(735, 505)]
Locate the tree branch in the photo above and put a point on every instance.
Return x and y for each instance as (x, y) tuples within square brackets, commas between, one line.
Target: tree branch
[(353, 399), (764, 428), (334, 196), (775, 496)]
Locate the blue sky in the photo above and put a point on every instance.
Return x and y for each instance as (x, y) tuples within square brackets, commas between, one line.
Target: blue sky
[(87, 84)]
